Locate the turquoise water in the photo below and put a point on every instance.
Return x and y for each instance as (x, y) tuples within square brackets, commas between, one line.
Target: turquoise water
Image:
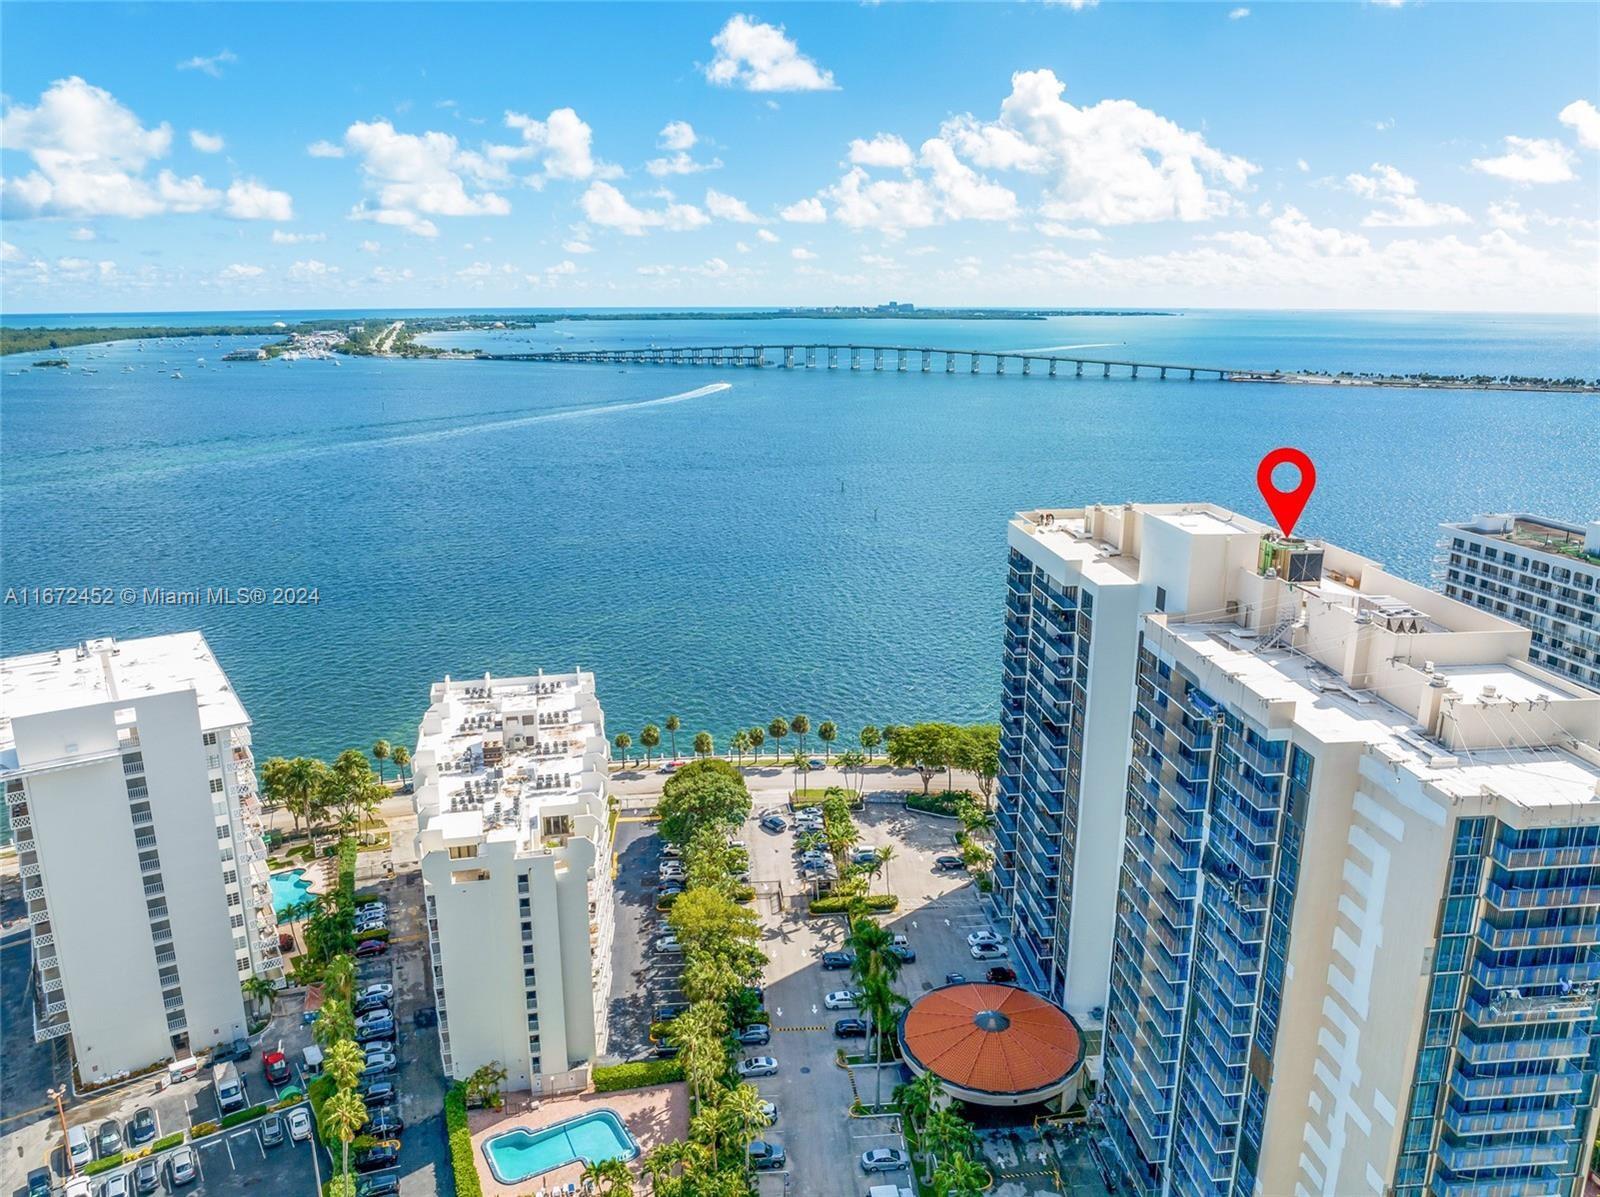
[(520, 1155), (288, 888), (825, 542)]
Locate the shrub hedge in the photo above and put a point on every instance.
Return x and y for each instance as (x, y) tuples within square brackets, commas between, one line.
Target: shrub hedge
[(462, 1164), (238, 1116), (637, 1075), (347, 868), (940, 802), (201, 1129), (166, 1143), (104, 1164), (875, 903)]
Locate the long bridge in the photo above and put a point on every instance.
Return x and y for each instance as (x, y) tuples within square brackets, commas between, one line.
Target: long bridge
[(811, 357)]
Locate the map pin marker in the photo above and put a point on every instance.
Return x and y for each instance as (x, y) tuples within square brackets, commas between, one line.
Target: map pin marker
[(1286, 505)]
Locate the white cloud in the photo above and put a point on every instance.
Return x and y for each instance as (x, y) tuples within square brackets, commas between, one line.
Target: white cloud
[(562, 142), (279, 237), (801, 254), (10, 253), (206, 143), (209, 64), (604, 205), (964, 194), (1402, 207), (1074, 5), (806, 211), (577, 247), (727, 207), (677, 135), (416, 177), (239, 271), (311, 270), (370, 247), (1530, 160), (1584, 119), (82, 234), (186, 195), (386, 277), (1302, 166), (761, 57), (250, 200), (883, 150), (400, 218), (888, 205), (1051, 228), (325, 149), (1238, 14), (768, 236), (1508, 216)]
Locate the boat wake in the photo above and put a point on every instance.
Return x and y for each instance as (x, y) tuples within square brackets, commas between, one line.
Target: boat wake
[(1060, 348)]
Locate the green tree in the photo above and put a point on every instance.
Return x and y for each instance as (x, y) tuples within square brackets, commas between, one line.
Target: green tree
[(344, 1061), (700, 1034), (649, 739), (334, 1022), (917, 1100), (827, 732), (758, 737), (704, 745), (352, 789), (881, 865), (623, 741), (402, 761), (483, 1086), (778, 729), (742, 1117), (381, 751), (608, 1178), (870, 941), (259, 992), (341, 1186), (339, 978), (294, 786), (739, 742), (673, 724), (706, 792), (960, 1177), (853, 762), (343, 1116), (881, 1005), (978, 752), (800, 725), (870, 738), (948, 1133), (801, 764), (925, 747)]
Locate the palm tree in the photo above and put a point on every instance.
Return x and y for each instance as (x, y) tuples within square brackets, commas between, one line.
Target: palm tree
[(343, 1116), (947, 1133), (870, 941), (758, 737), (259, 991), (881, 1004), (704, 745), (740, 743), (801, 764), (623, 742), (827, 732), (881, 865), (333, 1024), (742, 1115), (673, 724), (344, 1061), (800, 725), (649, 739), (304, 779), (778, 728), (961, 1177), (917, 1100), (401, 755), (339, 978), (610, 1178), (870, 738), (381, 751)]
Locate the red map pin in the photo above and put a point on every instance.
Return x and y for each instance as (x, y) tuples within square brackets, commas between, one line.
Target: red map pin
[(1286, 505)]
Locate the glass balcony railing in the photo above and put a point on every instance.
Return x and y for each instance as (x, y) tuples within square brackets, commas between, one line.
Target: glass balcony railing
[(1561, 1117), (1558, 1083), (1462, 1158), (1506, 1051), (1510, 938), (1542, 896), (1573, 856)]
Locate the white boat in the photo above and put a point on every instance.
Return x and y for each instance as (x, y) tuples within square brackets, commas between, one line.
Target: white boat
[(177, 374)]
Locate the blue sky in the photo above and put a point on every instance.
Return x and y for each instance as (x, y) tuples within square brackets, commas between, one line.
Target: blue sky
[(1335, 155)]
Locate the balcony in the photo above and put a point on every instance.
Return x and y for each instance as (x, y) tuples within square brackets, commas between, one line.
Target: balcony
[(1554, 975), (1574, 856), (1561, 1117), (1542, 897), (1501, 1088), (1503, 939), (1459, 1158), (1507, 1051)]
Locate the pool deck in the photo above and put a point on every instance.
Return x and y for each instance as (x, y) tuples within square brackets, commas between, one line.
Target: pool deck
[(653, 1116)]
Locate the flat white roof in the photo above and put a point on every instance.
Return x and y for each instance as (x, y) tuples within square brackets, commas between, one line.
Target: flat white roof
[(109, 670)]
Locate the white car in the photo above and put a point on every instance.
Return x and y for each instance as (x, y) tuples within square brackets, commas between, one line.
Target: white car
[(984, 936), (884, 1159), (381, 1062), (757, 1066), (116, 1186), (668, 944), (769, 1111), (840, 999), (378, 989), (987, 951), (299, 1124)]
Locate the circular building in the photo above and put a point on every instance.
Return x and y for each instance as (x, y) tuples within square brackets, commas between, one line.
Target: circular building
[(994, 1045)]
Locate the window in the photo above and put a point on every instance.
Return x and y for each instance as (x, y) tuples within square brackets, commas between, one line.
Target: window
[(233, 899), (1161, 598), (222, 832), (464, 852), (216, 785), (209, 738), (236, 921), (230, 877)]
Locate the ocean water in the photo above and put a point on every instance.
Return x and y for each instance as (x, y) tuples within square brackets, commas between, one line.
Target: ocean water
[(728, 545)]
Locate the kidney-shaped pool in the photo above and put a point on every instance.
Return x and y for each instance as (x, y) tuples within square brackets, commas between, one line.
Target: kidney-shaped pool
[(520, 1154)]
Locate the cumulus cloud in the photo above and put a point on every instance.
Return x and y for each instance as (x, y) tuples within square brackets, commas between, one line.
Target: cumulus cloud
[(206, 143), (250, 200), (801, 254), (238, 272), (82, 234), (883, 150), (1238, 14), (768, 236), (211, 64), (1508, 216), (726, 207), (10, 253), (279, 237), (577, 246), (185, 195), (1051, 228), (562, 143), (417, 177), (963, 193), (1401, 206), (678, 137), (806, 211), (760, 57), (604, 205), (311, 270), (1530, 160), (325, 149), (370, 247), (1583, 118)]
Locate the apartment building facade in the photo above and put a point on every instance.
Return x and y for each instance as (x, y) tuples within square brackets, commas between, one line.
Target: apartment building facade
[(1540, 572), (514, 835), (1357, 927), (132, 794)]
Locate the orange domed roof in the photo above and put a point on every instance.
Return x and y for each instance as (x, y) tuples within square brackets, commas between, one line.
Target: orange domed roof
[(992, 1038)]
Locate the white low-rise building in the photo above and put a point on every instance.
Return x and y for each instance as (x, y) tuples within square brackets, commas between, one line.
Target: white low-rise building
[(132, 792), (514, 834)]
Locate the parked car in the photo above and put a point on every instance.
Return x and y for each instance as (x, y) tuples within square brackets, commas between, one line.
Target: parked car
[(272, 1130), (378, 1186), (372, 1084), (109, 1140), (142, 1127), (79, 1149), (769, 1111), (756, 1035), (767, 1157), (884, 1159), (378, 989), (371, 947), (987, 951), (276, 1066), (116, 1185), (955, 978), (756, 1066), (1001, 975), (864, 856), (383, 1014), (369, 900), (367, 1005), (299, 1124), (147, 1176), (841, 999), (183, 1168), (672, 889), (668, 944), (948, 863), (906, 954), (851, 1028), (382, 1155), (666, 1051), (814, 763), (386, 1121), (671, 1010), (39, 1183), (381, 1063), (672, 851), (813, 858), (984, 936), (773, 823), (381, 1037), (380, 1094), (833, 961)]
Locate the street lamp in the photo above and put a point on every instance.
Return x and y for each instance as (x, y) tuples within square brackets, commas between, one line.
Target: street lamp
[(56, 1095)]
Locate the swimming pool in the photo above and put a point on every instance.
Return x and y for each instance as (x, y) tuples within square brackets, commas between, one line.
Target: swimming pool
[(521, 1154), (288, 888)]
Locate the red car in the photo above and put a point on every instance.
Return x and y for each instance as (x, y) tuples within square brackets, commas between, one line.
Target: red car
[(371, 947), (277, 1067)]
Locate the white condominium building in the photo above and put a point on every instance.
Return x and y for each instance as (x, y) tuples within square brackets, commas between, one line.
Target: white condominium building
[(514, 832), (1536, 571), (1357, 927), (132, 792)]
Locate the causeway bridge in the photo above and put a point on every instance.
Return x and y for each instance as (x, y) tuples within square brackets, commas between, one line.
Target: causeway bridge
[(881, 357)]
